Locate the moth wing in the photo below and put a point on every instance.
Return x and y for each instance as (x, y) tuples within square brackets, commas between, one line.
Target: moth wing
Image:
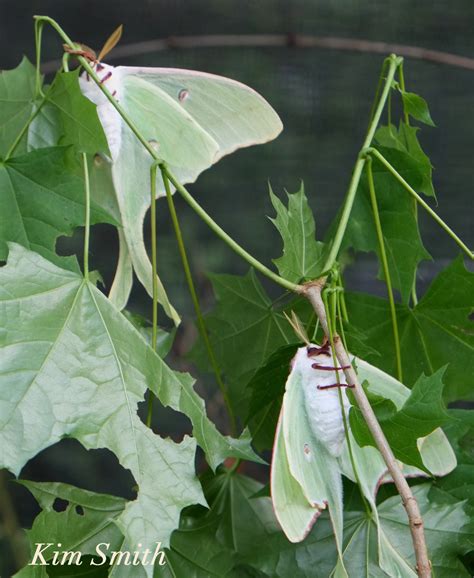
[(231, 113), (310, 464), (192, 119), (292, 509)]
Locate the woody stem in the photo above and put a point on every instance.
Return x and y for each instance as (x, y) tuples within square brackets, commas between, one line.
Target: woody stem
[(312, 291)]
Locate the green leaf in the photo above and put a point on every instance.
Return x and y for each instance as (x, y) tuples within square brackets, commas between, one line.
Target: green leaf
[(247, 525), (78, 122), (460, 432), (17, 92), (64, 340), (417, 107), (244, 330), (422, 413), (402, 239), (91, 519), (88, 519), (405, 139), (267, 388), (42, 198), (195, 553), (303, 256), (435, 333), (448, 530)]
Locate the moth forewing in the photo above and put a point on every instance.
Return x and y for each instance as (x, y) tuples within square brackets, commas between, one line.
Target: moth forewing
[(310, 469), (292, 510), (192, 118)]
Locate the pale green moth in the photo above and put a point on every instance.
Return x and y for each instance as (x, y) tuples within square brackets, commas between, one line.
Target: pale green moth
[(310, 452), (192, 119)]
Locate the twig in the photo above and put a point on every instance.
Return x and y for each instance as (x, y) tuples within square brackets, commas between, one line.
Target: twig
[(280, 41), (312, 291)]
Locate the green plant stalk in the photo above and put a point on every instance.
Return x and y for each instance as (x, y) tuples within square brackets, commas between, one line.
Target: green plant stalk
[(394, 63), (341, 321), (331, 311), (389, 110), (342, 300), (38, 39), (87, 227), (179, 187), (154, 325), (374, 152), (153, 171), (386, 270), (195, 300)]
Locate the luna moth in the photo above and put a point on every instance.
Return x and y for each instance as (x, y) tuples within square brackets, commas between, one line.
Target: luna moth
[(311, 452), (192, 119)]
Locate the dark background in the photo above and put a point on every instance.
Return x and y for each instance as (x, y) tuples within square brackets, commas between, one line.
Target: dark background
[(323, 97)]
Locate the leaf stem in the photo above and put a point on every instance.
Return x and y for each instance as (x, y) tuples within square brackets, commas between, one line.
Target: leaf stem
[(195, 300), (374, 152), (394, 62), (87, 226), (312, 291), (154, 326), (386, 270), (38, 44)]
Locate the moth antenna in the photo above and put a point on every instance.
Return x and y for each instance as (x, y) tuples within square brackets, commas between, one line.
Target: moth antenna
[(111, 42), (297, 327)]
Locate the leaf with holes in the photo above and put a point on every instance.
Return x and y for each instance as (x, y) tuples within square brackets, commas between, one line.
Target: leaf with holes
[(42, 198), (62, 340), (87, 520)]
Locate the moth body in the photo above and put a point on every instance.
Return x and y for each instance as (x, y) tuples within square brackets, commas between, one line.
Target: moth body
[(108, 116), (322, 401)]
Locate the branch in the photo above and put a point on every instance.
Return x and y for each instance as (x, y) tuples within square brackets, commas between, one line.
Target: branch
[(280, 41), (312, 291)]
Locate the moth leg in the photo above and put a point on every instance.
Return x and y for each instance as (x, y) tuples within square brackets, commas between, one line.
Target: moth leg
[(333, 385), (329, 367)]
